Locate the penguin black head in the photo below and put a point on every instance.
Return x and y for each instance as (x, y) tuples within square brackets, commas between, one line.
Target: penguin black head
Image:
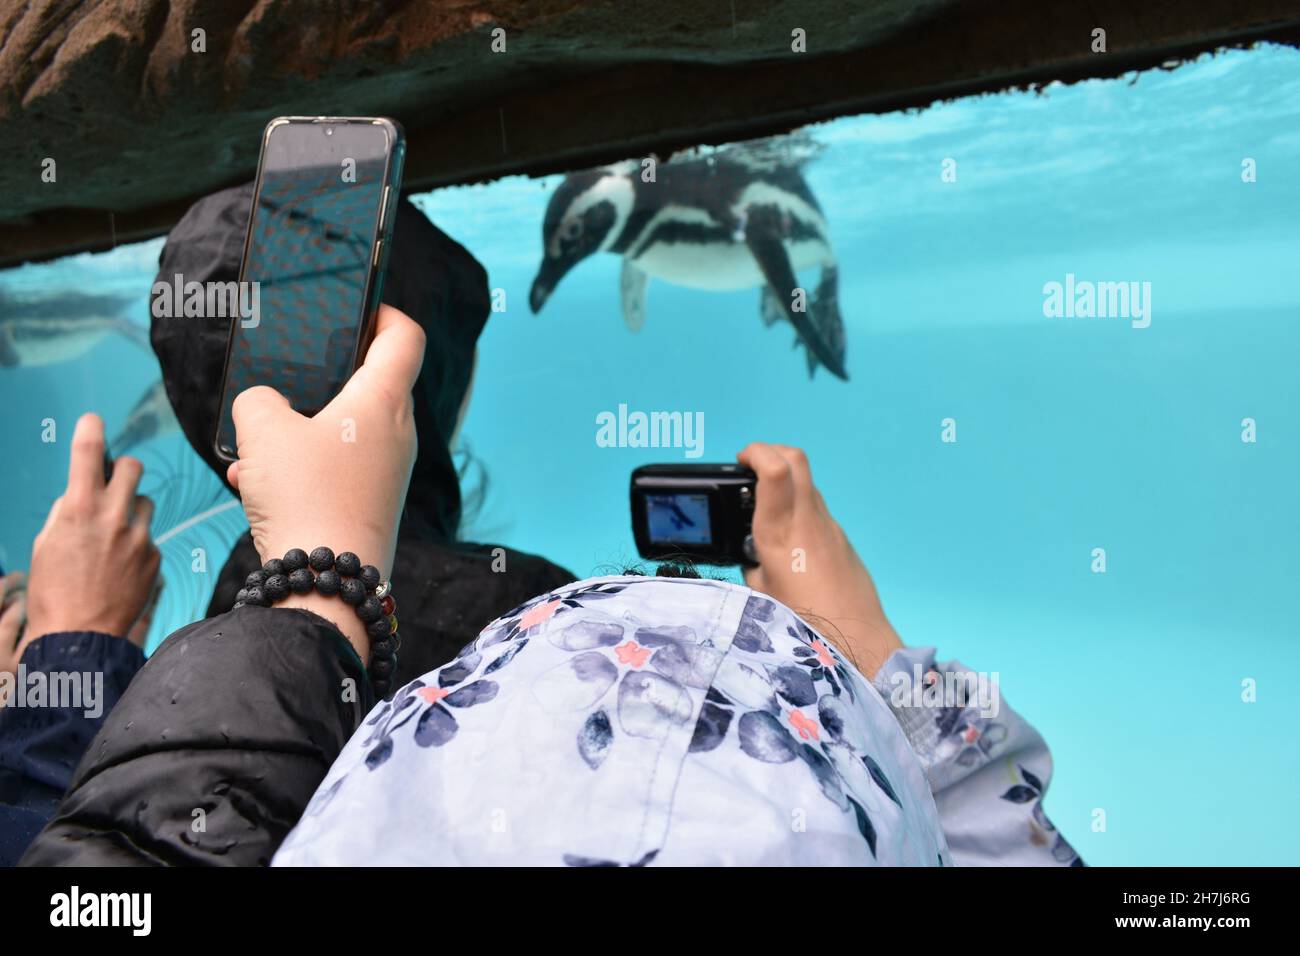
[(585, 215)]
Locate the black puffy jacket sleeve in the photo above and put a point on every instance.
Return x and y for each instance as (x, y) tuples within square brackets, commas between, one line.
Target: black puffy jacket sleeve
[(216, 747)]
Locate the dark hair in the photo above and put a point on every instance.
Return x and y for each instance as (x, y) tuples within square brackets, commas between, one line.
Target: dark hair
[(679, 567)]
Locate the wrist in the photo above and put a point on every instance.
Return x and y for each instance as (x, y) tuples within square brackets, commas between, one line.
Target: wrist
[(39, 625), (337, 613), (339, 588)]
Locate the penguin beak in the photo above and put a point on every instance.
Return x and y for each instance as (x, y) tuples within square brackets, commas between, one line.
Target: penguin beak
[(548, 277), (538, 295)]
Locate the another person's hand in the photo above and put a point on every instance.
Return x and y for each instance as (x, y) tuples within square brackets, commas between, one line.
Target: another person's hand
[(13, 615), (94, 566), (338, 479), (806, 561)]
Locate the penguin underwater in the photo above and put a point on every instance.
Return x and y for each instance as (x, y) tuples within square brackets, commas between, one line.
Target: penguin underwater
[(734, 218)]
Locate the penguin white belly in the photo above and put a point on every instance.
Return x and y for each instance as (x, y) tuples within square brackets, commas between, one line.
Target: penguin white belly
[(722, 266)]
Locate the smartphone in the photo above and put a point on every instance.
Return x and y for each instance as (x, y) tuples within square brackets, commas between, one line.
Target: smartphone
[(317, 246), (697, 511)]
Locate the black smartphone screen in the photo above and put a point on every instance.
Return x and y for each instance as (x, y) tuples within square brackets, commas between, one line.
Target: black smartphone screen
[(316, 217)]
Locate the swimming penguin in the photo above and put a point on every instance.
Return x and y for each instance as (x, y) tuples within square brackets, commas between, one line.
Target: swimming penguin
[(734, 218), (59, 327), (151, 417)]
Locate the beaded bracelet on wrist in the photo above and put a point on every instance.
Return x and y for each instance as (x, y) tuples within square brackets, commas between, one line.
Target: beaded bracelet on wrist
[(360, 586)]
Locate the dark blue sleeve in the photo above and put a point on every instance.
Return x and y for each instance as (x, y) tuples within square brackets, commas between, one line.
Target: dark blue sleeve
[(84, 673)]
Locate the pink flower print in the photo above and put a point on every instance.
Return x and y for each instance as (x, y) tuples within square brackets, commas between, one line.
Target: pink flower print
[(538, 614), (630, 652), (823, 652), (808, 729), (432, 695)]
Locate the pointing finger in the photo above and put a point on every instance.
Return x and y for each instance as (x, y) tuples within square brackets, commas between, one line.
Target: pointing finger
[(86, 467)]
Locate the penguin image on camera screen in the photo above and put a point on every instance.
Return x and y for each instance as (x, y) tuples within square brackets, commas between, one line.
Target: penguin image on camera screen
[(732, 218)]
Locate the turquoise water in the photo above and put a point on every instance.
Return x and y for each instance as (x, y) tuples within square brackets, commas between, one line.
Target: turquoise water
[(1072, 434)]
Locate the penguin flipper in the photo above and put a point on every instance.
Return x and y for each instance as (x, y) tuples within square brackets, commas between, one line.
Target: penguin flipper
[(770, 309), (819, 326), (632, 284), (134, 333), (9, 357)]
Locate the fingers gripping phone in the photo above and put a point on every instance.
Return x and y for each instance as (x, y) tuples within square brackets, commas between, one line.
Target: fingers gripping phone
[(316, 248), (703, 512)]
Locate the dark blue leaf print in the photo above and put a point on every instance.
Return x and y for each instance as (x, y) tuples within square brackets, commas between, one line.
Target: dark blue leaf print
[(404, 700), (882, 781), (831, 718), (992, 735), (595, 738), (458, 670), (758, 608), (717, 697), (804, 635), (379, 753), (479, 692), (322, 799), (576, 684), (848, 684), (711, 728), (573, 859), (663, 636), (689, 664), (864, 825), (585, 635), (946, 720), (751, 636), (1061, 850), (825, 775), (592, 591), (379, 714), (1020, 794), (829, 675), (390, 707), (436, 727), (801, 651), (793, 684), (1030, 779), (505, 658), (763, 738), (500, 636), (746, 686)]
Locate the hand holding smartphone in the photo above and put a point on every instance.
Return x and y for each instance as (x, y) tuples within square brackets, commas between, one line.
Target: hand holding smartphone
[(317, 245)]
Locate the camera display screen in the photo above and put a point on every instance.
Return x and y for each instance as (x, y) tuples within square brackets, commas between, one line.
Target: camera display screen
[(678, 519)]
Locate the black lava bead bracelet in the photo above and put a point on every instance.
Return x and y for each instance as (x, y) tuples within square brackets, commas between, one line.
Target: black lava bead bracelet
[(358, 585)]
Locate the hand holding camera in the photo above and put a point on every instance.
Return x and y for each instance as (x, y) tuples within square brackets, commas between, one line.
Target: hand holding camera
[(807, 562), (766, 515)]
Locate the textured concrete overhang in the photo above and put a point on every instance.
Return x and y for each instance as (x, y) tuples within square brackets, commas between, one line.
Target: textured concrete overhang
[(140, 123)]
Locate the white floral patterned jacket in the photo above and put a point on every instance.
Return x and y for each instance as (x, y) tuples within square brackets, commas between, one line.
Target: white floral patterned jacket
[(636, 720)]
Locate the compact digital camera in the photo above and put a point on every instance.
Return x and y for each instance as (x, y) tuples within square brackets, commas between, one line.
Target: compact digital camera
[(696, 511)]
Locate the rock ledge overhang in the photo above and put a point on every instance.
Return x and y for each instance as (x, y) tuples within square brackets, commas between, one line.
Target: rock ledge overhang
[(140, 124)]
